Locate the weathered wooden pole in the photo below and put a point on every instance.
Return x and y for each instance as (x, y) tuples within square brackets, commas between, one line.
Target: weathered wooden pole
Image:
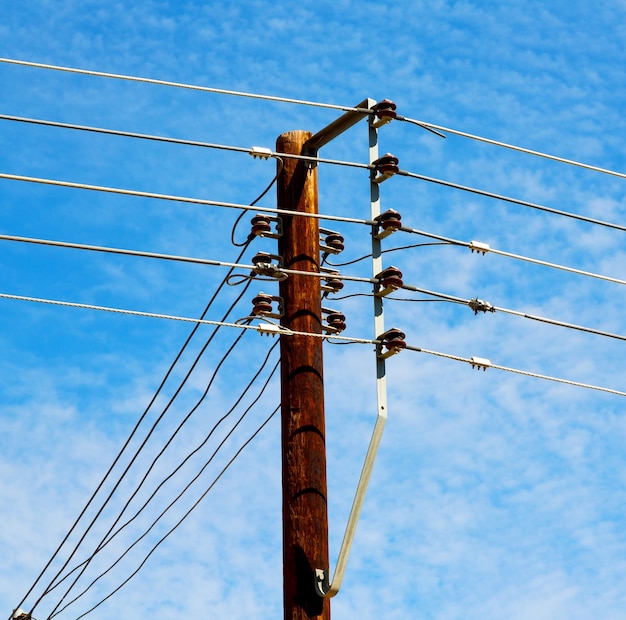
[(305, 516)]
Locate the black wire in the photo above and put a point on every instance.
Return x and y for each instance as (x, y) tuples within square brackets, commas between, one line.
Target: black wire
[(184, 516), (188, 486), (137, 425), (412, 121), (404, 247), (279, 170), (124, 447), (162, 414), (119, 530)]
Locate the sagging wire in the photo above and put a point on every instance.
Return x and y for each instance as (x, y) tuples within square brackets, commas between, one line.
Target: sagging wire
[(107, 539), (206, 89), (124, 447), (120, 453), (279, 169), (142, 445), (405, 247), (478, 305), (174, 198), (195, 505), (484, 363)]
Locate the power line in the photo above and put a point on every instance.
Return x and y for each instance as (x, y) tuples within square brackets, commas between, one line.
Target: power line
[(485, 363), (152, 315), (184, 516), (206, 89), (187, 486), (516, 201), (427, 125), (173, 198), (122, 251), (145, 476), (134, 430), (482, 306), (365, 111), (484, 248), (180, 141), (109, 534), (138, 451)]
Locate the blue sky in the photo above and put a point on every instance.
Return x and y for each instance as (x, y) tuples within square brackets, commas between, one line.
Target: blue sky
[(495, 495)]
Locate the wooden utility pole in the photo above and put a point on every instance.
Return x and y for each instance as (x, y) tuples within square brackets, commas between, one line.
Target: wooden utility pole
[(305, 516)]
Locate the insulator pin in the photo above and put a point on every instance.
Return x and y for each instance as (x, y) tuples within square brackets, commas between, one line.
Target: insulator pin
[(262, 227), (385, 111), (389, 280), (336, 322), (385, 166), (331, 241), (335, 242), (393, 341), (262, 305), (388, 222)]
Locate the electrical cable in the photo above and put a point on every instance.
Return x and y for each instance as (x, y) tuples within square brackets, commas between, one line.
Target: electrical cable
[(138, 451), (185, 515), (423, 124), (181, 464), (516, 201), (279, 170), (106, 541), (122, 251), (206, 89), (178, 141), (432, 126), (357, 260), (484, 248), (173, 198), (479, 363), (133, 432), (152, 315), (486, 307)]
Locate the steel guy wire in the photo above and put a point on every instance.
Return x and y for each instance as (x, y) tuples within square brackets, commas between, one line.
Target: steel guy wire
[(184, 516), (142, 445), (571, 162), (183, 199), (490, 308), (178, 141), (535, 375), (188, 485), (516, 201)]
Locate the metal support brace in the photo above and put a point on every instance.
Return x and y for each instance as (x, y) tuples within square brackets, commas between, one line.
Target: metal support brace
[(324, 586)]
